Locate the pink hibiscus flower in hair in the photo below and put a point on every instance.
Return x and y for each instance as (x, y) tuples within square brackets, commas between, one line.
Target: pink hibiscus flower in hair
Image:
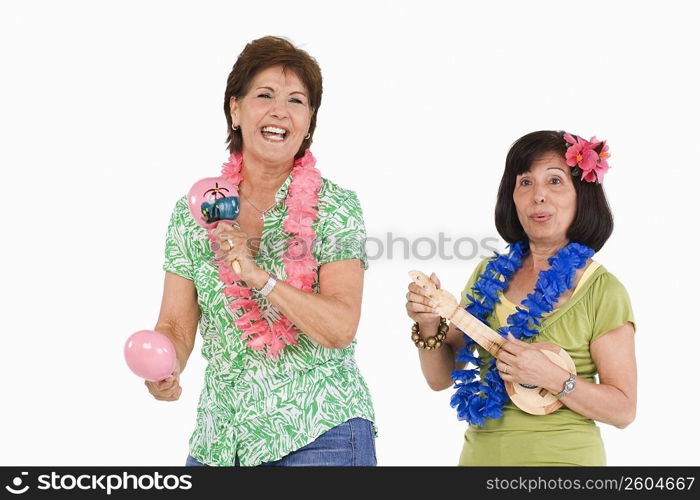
[(597, 173), (590, 175), (581, 153), (603, 153), (601, 166)]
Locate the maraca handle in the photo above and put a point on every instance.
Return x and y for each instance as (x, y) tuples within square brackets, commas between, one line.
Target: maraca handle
[(236, 266)]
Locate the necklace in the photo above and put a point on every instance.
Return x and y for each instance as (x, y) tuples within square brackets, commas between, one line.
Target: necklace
[(477, 400), (262, 212), (260, 333)]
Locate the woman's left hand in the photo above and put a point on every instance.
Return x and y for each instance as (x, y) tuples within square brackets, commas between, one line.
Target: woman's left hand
[(520, 363), (234, 244)]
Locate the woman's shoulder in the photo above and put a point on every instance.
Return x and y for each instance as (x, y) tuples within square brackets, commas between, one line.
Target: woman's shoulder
[(605, 283), (332, 189), (332, 196), (481, 267), (607, 303), (181, 205), (181, 222), (179, 211), (476, 272)]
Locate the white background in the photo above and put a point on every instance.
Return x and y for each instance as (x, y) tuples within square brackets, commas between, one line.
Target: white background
[(109, 111)]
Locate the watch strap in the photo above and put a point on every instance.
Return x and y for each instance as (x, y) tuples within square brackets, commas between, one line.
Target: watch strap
[(569, 381)]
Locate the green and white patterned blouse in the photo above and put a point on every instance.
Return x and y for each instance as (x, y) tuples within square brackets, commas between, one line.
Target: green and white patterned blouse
[(251, 406)]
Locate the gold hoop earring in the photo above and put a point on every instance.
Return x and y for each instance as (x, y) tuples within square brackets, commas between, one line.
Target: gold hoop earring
[(307, 136)]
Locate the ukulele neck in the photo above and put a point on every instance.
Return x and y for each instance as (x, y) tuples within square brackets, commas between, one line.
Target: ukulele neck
[(479, 332)]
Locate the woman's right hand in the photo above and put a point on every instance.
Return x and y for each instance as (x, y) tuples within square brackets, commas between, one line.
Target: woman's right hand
[(168, 389), (419, 309)]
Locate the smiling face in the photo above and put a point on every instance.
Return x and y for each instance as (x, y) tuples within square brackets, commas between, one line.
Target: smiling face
[(274, 116), (545, 200)]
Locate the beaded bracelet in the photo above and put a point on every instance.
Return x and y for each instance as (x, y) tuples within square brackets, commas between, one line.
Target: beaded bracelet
[(431, 342)]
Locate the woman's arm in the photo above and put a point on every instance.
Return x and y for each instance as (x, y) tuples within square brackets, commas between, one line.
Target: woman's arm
[(179, 315), (178, 318), (612, 401), (437, 364), (331, 316)]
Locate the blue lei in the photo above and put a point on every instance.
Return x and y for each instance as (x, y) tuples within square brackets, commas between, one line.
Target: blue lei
[(477, 400)]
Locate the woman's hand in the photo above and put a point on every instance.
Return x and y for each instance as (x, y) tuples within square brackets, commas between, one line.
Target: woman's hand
[(437, 364), (168, 389), (520, 363), (419, 308), (234, 244)]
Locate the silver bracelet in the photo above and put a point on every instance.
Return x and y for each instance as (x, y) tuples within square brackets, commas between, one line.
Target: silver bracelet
[(268, 286)]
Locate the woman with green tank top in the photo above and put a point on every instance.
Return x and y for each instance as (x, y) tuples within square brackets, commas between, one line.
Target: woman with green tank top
[(552, 210)]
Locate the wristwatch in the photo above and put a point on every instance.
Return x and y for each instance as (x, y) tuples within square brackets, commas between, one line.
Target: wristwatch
[(569, 386), (268, 286)]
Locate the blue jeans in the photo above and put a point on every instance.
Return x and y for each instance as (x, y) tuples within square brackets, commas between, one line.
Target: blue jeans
[(348, 444)]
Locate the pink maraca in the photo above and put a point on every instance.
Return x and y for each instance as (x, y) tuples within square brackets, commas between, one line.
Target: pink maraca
[(212, 200), (150, 355)]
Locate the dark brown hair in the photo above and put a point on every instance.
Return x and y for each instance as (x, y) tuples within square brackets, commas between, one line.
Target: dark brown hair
[(265, 53), (593, 223)]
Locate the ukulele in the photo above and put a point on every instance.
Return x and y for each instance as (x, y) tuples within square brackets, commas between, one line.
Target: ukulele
[(529, 398)]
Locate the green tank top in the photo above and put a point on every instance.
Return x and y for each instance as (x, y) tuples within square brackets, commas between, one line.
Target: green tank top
[(564, 437)]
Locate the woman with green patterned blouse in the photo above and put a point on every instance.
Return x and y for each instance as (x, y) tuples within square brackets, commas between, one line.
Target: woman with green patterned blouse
[(276, 294), (555, 217)]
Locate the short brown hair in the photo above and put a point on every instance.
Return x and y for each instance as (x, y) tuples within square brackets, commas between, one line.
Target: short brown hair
[(265, 53), (593, 223)]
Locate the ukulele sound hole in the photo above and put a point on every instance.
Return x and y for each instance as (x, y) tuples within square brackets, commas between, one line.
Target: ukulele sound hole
[(528, 386), (542, 392)]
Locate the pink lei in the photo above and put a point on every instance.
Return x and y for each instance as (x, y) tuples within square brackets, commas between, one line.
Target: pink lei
[(299, 264)]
